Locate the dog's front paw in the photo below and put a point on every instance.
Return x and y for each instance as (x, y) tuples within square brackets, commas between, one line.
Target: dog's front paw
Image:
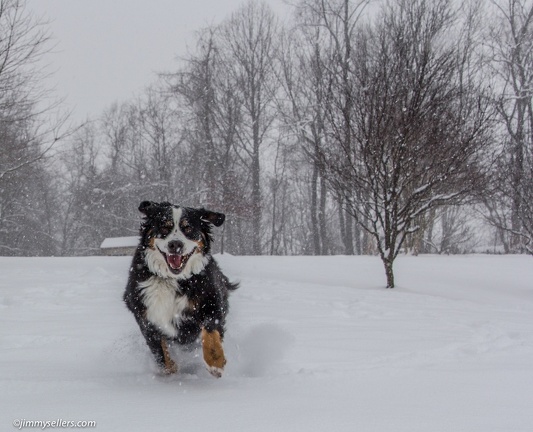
[(169, 368), (213, 352), (215, 371)]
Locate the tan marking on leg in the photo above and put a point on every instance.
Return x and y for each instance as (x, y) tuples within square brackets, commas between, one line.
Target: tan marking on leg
[(213, 352), (170, 366)]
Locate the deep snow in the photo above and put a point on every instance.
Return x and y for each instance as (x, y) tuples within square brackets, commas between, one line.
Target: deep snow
[(313, 344)]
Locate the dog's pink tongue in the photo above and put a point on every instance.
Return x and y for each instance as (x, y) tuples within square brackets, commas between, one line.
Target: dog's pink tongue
[(174, 261)]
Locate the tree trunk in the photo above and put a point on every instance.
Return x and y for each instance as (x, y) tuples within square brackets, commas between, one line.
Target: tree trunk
[(256, 203), (389, 272), (274, 187), (349, 234), (325, 246), (342, 224), (314, 217), (222, 239), (358, 243), (428, 243)]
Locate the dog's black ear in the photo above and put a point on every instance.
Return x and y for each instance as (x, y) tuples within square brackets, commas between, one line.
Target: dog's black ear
[(152, 209), (212, 217), (145, 206), (148, 207)]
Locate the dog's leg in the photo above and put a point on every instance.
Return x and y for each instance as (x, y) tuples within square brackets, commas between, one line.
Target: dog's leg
[(169, 366), (213, 352), (158, 346)]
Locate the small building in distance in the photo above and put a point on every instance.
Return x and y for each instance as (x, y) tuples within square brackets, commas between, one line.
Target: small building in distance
[(119, 246)]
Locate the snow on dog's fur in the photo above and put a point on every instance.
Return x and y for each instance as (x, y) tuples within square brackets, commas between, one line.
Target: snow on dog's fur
[(176, 290)]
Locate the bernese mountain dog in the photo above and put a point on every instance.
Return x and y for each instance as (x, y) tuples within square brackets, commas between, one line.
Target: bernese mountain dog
[(176, 290)]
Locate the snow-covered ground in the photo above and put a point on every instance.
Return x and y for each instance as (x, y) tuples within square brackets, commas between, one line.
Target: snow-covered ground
[(313, 344)]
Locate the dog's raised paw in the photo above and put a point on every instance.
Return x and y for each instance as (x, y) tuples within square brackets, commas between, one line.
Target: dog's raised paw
[(213, 352), (215, 371)]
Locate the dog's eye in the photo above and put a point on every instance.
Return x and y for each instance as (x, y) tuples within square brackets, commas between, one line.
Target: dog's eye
[(166, 228), (186, 228)]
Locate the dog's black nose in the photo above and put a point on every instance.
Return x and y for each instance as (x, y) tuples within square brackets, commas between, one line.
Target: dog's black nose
[(175, 246)]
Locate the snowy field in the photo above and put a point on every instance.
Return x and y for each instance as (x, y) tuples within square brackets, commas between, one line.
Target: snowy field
[(313, 344)]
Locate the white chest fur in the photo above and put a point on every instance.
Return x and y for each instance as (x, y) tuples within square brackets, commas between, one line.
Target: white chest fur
[(164, 304)]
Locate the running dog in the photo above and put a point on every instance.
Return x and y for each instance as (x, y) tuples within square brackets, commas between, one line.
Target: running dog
[(176, 290)]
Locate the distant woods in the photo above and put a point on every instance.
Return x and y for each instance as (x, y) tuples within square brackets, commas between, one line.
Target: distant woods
[(347, 127)]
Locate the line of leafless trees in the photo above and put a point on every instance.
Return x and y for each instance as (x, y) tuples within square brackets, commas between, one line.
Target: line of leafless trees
[(354, 127)]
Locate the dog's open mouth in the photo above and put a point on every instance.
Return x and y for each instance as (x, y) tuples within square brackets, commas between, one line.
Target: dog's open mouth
[(177, 262)]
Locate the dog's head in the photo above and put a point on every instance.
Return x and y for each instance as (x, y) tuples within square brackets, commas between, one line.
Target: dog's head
[(177, 240)]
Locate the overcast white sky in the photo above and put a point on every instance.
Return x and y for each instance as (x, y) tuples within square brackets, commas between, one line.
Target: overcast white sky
[(109, 50)]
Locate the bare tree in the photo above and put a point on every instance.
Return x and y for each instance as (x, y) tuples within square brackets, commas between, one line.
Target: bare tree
[(205, 90), (306, 85), (195, 84), (24, 102), (340, 18), (317, 79), (510, 45), (419, 124), (29, 127), (249, 43), (452, 231), (77, 166)]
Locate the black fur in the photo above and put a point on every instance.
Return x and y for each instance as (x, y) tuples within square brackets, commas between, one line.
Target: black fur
[(206, 291)]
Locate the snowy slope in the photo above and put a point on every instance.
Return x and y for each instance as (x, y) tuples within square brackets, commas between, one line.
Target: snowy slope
[(313, 344)]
